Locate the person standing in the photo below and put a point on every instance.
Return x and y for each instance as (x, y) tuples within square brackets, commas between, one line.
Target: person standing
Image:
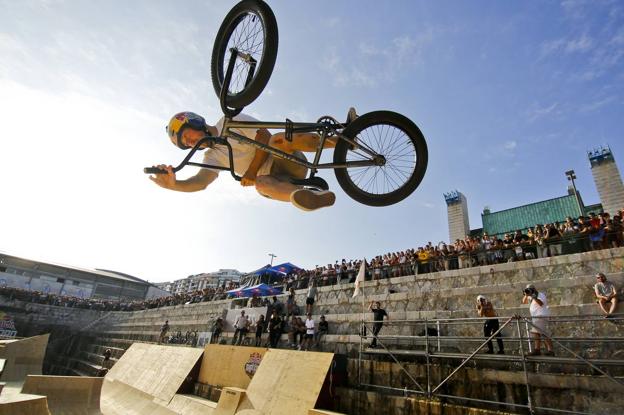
[(491, 325), (378, 316), (240, 328), (538, 307), (311, 296), (163, 332), (275, 329), (260, 327), (606, 294), (309, 334), (217, 329)]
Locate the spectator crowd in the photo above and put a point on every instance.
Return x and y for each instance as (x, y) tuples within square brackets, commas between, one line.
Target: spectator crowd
[(585, 233)]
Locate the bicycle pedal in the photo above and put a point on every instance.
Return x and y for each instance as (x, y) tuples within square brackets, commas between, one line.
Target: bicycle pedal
[(313, 182)]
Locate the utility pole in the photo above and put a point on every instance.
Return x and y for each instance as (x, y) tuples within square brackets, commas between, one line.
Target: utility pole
[(571, 176), (272, 256)]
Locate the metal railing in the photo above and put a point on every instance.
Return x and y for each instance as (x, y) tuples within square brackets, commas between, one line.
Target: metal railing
[(439, 335)]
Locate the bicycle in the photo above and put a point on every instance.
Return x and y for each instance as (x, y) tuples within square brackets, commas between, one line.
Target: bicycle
[(380, 157)]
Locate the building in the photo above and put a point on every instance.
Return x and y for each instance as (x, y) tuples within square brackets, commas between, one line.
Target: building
[(527, 216), (608, 183), (201, 281), (457, 212), (607, 179), (59, 279)]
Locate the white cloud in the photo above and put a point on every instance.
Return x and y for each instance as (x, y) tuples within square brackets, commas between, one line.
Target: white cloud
[(536, 111), (510, 145), (377, 63), (581, 44)]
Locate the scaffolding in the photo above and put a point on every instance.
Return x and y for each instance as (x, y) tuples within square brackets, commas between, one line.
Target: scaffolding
[(435, 337)]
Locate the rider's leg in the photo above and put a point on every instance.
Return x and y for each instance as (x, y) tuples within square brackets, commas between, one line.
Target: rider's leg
[(300, 142), (280, 188), (275, 187)]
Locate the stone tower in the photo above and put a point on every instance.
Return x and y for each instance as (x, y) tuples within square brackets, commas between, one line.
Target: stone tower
[(607, 178), (457, 211)]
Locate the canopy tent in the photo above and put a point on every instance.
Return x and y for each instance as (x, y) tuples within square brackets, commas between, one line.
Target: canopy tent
[(285, 268), (265, 270), (268, 274), (261, 290)]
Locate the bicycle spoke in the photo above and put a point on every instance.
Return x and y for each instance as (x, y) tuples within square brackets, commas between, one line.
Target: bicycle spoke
[(247, 37), (399, 152)]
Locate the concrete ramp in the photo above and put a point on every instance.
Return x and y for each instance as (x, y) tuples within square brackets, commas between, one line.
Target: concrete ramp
[(286, 383), (146, 379), (23, 357), (67, 395)]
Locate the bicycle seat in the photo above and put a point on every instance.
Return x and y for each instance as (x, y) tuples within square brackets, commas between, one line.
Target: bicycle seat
[(351, 116), (316, 183)]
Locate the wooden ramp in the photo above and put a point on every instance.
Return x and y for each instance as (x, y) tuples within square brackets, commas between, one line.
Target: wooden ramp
[(23, 357), (286, 383), (14, 402), (233, 366), (146, 379), (67, 395)]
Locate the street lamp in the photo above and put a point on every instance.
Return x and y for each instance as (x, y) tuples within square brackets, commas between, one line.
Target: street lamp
[(571, 176), (272, 256)]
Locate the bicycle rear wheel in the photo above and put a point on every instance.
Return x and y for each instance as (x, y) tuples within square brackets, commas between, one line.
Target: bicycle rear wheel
[(251, 28), (399, 141)]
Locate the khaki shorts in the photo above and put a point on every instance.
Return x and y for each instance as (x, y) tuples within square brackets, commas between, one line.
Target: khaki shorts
[(284, 168), (542, 323)]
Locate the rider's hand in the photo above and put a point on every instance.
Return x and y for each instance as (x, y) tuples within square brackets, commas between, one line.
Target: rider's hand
[(248, 179), (166, 180)]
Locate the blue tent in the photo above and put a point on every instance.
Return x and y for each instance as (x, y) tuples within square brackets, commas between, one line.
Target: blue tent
[(285, 268), (265, 270), (261, 290)]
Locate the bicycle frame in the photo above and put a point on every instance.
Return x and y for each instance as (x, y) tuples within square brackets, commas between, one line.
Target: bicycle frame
[(294, 128)]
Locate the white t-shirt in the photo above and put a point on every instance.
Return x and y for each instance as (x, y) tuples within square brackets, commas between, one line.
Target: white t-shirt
[(242, 154), (309, 323), (536, 310)]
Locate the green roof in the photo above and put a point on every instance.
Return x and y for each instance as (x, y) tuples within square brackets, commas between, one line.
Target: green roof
[(523, 217)]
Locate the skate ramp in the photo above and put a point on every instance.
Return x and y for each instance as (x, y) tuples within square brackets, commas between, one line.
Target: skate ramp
[(191, 405), (23, 357), (286, 383), (13, 402), (232, 366), (67, 395), (146, 379)]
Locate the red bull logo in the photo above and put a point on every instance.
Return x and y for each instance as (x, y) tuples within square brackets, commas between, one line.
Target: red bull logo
[(252, 364)]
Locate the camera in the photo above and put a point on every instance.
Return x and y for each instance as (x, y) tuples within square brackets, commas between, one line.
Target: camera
[(528, 291)]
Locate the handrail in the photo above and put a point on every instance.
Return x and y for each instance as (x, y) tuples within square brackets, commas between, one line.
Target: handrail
[(435, 391)]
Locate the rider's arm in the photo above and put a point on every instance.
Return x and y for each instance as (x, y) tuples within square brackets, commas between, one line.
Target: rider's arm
[(262, 136), (193, 184)]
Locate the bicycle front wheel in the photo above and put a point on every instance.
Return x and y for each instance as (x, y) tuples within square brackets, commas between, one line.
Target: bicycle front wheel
[(399, 141), (250, 27)]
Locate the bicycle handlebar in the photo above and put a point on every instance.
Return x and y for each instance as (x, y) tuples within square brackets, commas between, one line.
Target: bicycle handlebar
[(186, 162), (153, 170)]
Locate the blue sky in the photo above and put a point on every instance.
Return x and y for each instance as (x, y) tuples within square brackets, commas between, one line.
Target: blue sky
[(509, 95)]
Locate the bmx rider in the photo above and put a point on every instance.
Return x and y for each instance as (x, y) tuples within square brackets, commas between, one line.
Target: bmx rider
[(270, 175)]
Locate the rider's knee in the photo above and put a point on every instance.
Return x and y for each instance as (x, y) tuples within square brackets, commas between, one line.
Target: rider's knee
[(264, 184)]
